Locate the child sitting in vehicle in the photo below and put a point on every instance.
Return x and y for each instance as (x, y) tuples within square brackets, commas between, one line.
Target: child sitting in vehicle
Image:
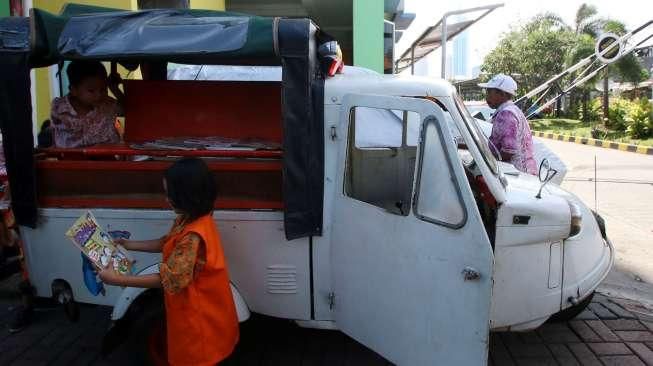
[(87, 114)]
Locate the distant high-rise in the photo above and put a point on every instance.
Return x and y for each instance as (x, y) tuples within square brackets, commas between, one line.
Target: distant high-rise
[(461, 57)]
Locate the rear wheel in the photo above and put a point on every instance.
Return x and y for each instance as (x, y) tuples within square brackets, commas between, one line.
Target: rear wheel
[(573, 311)]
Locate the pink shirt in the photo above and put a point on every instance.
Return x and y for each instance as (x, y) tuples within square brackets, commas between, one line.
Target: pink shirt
[(511, 134), (96, 127)]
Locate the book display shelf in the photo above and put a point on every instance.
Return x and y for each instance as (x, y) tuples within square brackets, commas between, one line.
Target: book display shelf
[(235, 126)]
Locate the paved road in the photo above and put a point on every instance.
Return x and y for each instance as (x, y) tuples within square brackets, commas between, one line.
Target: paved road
[(624, 197), (610, 332)]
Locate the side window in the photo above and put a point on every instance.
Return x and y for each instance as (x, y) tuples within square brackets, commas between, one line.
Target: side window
[(381, 157), (438, 195)]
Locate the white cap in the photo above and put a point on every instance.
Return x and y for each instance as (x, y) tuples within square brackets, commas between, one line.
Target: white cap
[(502, 82)]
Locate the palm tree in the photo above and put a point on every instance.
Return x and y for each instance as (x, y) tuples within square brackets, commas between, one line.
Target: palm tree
[(587, 21), (588, 25)]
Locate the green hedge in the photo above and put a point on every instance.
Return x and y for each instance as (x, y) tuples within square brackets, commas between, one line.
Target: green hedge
[(639, 119), (634, 117)]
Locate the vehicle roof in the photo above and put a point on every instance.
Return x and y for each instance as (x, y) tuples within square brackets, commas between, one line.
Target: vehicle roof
[(353, 80), (361, 80)]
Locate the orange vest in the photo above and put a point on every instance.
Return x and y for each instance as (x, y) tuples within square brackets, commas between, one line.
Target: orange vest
[(202, 325)]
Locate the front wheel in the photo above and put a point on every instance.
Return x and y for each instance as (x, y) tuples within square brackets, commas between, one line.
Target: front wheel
[(573, 311)]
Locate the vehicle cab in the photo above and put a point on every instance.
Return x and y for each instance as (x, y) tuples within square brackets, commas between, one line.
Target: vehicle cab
[(548, 250)]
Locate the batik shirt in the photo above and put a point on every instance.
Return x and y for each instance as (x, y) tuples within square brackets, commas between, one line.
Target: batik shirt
[(95, 127), (511, 134), (186, 261)]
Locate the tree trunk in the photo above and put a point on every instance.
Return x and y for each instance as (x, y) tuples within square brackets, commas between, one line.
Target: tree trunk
[(584, 102)]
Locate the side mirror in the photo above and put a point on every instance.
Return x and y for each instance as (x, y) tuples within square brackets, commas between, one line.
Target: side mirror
[(544, 170), (480, 116), (545, 174)]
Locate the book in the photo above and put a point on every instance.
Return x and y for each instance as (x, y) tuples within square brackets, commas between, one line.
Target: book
[(207, 143), (97, 245)]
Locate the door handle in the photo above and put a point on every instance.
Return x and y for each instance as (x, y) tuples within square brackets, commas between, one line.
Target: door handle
[(471, 274)]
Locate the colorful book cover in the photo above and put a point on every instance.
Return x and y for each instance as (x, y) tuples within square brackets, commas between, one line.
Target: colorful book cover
[(97, 245)]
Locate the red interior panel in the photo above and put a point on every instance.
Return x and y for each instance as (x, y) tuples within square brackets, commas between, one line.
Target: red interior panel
[(253, 184), (247, 179), (241, 110)]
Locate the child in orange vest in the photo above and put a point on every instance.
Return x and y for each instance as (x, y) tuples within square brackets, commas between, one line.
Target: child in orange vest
[(201, 319)]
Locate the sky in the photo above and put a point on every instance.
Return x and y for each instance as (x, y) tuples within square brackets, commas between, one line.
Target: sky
[(484, 35)]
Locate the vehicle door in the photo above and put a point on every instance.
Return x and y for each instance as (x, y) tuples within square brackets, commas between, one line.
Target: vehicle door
[(411, 261)]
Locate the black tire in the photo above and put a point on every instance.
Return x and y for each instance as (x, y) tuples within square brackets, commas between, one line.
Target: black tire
[(573, 311), (147, 318)]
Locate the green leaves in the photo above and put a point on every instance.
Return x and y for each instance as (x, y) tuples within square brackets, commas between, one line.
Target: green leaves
[(537, 50), (531, 53), (639, 118)]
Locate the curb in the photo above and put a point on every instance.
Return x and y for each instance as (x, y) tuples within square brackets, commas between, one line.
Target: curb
[(646, 150)]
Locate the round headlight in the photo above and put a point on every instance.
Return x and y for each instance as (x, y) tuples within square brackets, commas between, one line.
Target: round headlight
[(576, 219)]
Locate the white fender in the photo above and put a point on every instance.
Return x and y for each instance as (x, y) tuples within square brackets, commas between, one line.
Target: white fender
[(129, 294)]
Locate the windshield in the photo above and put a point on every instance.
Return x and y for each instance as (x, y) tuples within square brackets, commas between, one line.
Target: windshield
[(475, 130)]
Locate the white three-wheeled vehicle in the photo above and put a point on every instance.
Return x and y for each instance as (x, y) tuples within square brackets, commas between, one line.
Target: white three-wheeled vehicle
[(417, 247)]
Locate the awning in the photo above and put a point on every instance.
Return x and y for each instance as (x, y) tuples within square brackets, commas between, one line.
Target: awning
[(434, 35), (430, 41)]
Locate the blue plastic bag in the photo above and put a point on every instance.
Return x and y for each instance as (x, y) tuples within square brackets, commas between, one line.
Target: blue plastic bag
[(94, 286)]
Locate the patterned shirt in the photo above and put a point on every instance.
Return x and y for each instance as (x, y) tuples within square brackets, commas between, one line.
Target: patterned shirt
[(186, 261), (95, 127), (512, 135)]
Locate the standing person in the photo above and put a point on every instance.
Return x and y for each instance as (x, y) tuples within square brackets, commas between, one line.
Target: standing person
[(87, 114), (201, 319), (511, 134)]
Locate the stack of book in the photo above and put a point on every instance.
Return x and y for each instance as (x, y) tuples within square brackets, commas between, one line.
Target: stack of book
[(207, 143)]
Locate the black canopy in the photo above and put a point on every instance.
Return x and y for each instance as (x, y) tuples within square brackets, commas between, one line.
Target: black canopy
[(183, 36)]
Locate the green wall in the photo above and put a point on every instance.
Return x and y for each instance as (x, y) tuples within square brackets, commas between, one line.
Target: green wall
[(4, 8), (368, 34)]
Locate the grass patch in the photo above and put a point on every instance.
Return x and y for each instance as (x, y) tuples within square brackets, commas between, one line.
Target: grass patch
[(574, 127)]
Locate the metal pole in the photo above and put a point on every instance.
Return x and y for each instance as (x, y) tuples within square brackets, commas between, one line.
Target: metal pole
[(488, 9), (444, 47), (412, 60), (606, 98), (596, 202)]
